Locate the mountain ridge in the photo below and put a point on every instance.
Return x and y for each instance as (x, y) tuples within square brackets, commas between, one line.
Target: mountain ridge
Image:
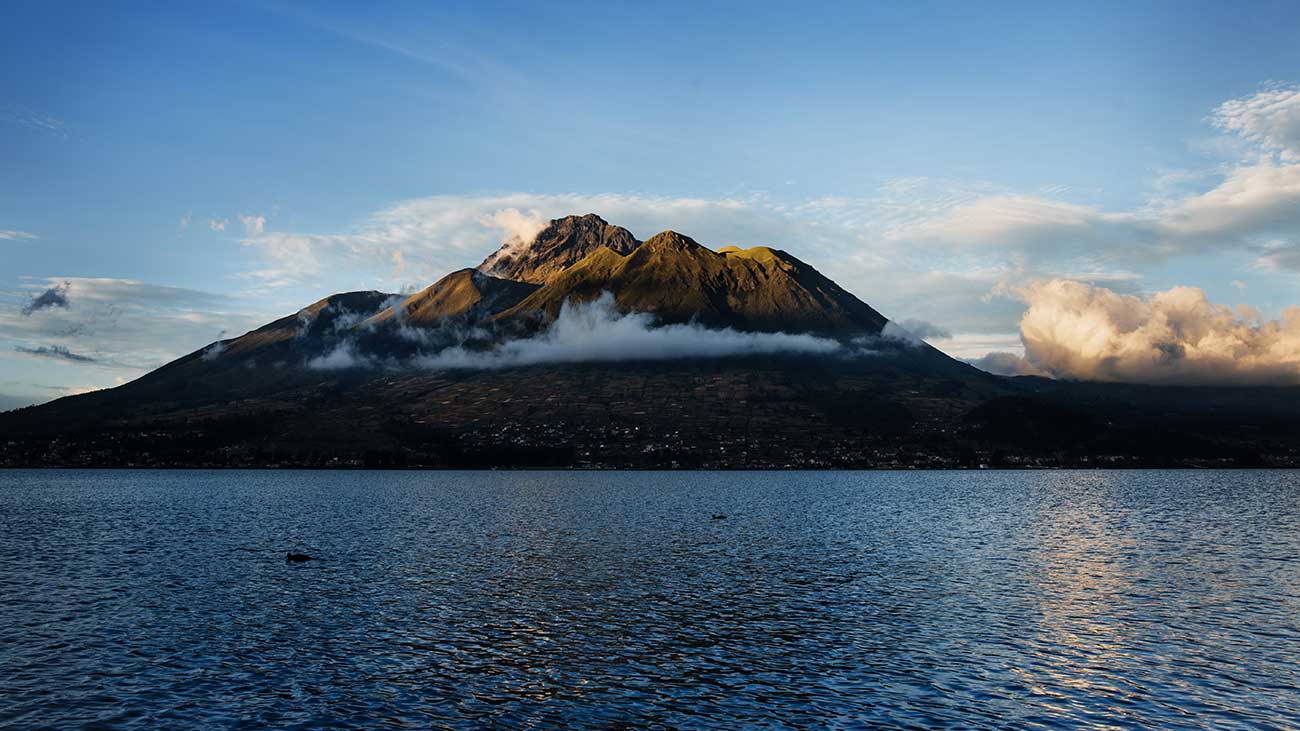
[(350, 381), (557, 246), (679, 280)]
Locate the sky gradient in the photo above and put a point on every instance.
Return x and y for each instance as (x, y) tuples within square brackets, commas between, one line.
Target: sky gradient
[(172, 172)]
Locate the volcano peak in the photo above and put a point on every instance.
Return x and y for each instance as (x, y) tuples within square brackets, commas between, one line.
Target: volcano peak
[(561, 244)]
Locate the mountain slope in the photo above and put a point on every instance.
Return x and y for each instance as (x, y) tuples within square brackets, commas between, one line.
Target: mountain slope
[(563, 243), (466, 293), (758, 289), (294, 335)]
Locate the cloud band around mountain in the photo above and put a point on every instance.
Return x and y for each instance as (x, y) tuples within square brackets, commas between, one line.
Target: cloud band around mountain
[(596, 332)]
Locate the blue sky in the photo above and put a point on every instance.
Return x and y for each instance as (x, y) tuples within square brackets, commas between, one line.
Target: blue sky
[(195, 168)]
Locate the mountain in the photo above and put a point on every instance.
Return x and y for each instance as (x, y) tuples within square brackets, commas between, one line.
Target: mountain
[(378, 379), (292, 339), (468, 294), (563, 243), (677, 279)]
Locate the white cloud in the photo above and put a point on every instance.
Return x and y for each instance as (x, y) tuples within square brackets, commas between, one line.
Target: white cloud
[(519, 229), (342, 357), (597, 332), (522, 226), (213, 351), (423, 239), (33, 119), (922, 329), (12, 235), (185, 219), (1075, 330), (1252, 205), (1269, 119), (969, 346), (1252, 202), (253, 225), (444, 233), (1277, 257), (922, 248), (122, 325), (218, 224), (1023, 224), (1002, 363)]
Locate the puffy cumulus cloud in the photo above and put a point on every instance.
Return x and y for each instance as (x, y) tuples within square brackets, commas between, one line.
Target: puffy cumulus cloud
[(218, 224), (1080, 331), (1269, 119)]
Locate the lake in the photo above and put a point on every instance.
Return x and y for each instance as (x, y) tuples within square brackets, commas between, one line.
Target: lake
[(573, 600)]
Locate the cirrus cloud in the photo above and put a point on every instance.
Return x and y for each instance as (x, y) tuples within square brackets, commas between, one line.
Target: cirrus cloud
[(120, 324), (56, 352), (1254, 206), (1269, 118)]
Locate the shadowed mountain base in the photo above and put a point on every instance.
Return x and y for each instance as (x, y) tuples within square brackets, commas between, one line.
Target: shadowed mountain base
[(735, 413)]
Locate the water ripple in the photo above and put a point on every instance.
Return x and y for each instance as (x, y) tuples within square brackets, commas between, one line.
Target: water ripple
[(611, 601)]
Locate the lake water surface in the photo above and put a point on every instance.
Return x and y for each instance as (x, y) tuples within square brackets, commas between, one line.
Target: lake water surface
[(614, 600)]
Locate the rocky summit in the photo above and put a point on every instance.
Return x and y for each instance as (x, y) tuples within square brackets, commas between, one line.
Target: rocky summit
[(560, 245)]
